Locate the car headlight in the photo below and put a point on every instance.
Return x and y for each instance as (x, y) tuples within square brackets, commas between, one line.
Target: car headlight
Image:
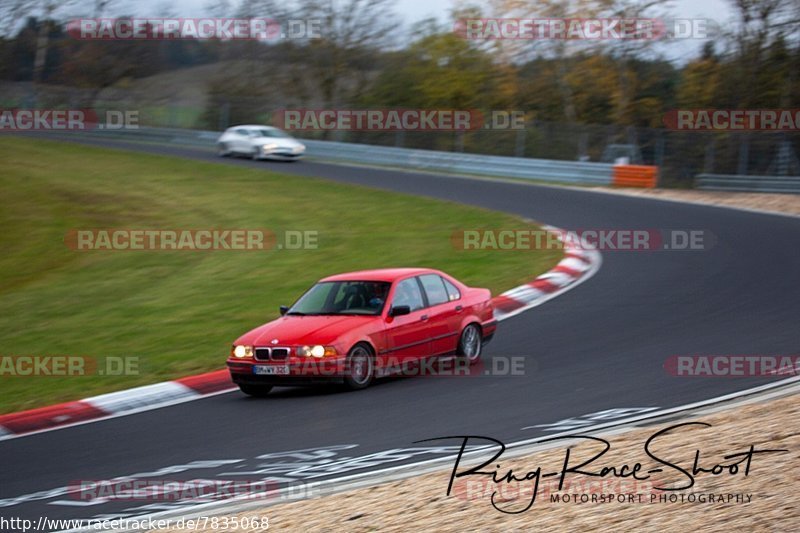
[(269, 147), (316, 351), (241, 351), (299, 149)]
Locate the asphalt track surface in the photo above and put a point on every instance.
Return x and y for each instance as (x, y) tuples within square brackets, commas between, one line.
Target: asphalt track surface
[(600, 346)]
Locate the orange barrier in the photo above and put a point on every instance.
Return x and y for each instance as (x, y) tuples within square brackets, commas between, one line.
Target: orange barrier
[(643, 176)]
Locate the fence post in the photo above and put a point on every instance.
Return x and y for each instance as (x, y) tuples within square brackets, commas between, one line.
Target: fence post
[(708, 163), (744, 154), (224, 115), (659, 155), (171, 114), (583, 147), (519, 149)]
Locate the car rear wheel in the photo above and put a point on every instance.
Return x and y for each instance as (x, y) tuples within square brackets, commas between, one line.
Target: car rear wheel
[(259, 391), (359, 367), (223, 150), (470, 343)]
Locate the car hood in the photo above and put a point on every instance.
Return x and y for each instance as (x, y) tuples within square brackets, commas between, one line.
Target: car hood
[(281, 142), (301, 330)]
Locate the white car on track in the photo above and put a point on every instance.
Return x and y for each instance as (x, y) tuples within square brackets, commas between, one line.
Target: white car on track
[(259, 142)]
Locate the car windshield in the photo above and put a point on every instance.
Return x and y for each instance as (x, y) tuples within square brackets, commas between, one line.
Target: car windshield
[(342, 298), (264, 132)]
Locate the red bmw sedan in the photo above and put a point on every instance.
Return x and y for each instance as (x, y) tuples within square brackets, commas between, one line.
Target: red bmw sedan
[(354, 327)]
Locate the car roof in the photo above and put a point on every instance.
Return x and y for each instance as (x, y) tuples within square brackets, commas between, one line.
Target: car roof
[(253, 126), (380, 274)]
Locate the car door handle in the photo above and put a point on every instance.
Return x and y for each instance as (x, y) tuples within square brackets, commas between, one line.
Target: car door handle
[(459, 308), (423, 317)]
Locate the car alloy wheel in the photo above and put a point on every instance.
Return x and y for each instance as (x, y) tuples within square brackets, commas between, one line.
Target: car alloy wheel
[(470, 344), (222, 150), (359, 367)]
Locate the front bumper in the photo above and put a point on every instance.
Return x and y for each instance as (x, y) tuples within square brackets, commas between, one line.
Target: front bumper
[(281, 154), (292, 371), (283, 157)]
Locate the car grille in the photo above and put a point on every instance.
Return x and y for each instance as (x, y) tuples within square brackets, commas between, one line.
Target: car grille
[(279, 354), (271, 354)]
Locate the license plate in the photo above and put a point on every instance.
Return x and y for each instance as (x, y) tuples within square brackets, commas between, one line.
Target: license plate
[(271, 370)]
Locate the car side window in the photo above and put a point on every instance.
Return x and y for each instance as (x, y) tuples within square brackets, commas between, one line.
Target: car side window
[(241, 131), (434, 289), (452, 292), (407, 293)]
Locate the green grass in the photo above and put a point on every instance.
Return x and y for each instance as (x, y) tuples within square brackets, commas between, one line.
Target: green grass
[(179, 311)]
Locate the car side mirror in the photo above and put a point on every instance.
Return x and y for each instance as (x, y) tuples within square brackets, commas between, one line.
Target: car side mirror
[(399, 310), (284, 309)]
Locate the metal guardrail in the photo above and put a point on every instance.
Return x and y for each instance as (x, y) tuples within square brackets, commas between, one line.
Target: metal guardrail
[(171, 136), (454, 162), (451, 162), (460, 163), (738, 183)]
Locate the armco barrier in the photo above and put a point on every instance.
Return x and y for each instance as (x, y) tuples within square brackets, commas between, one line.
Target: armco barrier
[(643, 176), (732, 182), (170, 136), (459, 163)]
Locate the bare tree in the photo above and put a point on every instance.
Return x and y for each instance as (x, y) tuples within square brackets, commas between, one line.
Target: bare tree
[(11, 11), (219, 8), (46, 13), (761, 21), (347, 29), (561, 50)]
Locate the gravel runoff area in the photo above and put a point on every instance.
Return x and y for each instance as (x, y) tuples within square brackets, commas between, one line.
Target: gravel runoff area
[(764, 500), (779, 203)]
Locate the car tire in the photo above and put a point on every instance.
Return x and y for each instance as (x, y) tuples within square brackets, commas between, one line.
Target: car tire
[(223, 150), (470, 344), (359, 367), (258, 391), (256, 155)]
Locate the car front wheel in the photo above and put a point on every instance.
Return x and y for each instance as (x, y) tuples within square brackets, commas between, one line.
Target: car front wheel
[(359, 367), (223, 150), (470, 343)]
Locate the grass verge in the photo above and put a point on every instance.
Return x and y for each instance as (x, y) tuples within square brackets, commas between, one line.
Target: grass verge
[(178, 311)]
